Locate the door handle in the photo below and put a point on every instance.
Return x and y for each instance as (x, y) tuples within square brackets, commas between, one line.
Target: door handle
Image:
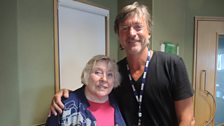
[(204, 89), (204, 86)]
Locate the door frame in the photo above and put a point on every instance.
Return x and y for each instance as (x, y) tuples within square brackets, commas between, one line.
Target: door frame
[(202, 18)]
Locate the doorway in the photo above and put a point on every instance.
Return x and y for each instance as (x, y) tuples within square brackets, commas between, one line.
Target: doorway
[(208, 36), (219, 115)]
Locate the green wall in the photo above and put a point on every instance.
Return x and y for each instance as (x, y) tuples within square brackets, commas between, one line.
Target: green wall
[(27, 50), (9, 92), (35, 59)]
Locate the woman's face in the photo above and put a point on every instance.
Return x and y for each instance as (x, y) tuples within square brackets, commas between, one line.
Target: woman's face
[(101, 80)]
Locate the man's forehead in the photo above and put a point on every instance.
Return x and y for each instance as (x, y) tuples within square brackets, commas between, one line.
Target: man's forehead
[(135, 19)]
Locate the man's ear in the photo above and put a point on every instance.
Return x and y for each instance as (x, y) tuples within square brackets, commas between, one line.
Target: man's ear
[(121, 48), (149, 36)]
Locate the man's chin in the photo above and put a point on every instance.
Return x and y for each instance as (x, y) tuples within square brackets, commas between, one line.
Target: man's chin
[(133, 51), (136, 49)]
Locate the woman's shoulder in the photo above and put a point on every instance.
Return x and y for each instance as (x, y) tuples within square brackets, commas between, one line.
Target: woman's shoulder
[(75, 95)]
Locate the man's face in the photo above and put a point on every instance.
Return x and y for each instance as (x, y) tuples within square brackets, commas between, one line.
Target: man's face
[(133, 34)]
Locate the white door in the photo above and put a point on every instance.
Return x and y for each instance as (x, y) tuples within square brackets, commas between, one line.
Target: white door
[(207, 33)]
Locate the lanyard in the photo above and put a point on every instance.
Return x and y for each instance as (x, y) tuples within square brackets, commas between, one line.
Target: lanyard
[(139, 97)]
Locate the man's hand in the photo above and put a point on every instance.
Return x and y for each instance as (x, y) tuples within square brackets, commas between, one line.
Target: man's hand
[(56, 104)]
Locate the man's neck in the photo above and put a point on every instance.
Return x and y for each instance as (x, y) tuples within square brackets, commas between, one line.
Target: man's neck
[(136, 63)]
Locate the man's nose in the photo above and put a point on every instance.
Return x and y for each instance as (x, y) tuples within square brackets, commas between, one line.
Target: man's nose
[(132, 31)]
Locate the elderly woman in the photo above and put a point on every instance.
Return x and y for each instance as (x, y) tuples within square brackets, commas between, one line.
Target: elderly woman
[(92, 104)]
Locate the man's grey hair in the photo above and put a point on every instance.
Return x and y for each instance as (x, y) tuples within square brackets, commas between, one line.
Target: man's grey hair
[(130, 10)]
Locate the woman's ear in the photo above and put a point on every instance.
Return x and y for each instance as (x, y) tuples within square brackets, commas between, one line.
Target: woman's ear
[(83, 78)]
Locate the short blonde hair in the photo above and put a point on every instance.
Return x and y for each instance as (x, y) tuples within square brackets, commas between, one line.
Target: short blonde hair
[(92, 62)]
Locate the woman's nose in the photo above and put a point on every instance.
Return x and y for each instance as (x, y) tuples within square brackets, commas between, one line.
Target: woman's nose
[(104, 77)]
